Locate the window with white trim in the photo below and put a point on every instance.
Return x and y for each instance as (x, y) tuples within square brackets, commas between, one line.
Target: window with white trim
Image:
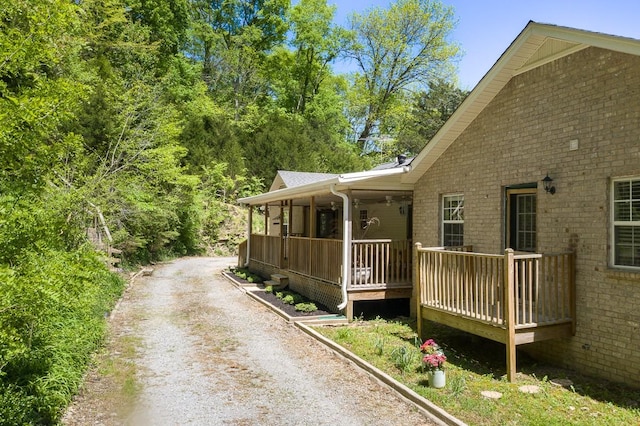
[(453, 220), (626, 222)]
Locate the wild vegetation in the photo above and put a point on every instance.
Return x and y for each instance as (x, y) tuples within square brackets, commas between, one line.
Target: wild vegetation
[(145, 121)]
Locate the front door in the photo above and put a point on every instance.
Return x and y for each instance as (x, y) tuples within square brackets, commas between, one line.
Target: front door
[(521, 219)]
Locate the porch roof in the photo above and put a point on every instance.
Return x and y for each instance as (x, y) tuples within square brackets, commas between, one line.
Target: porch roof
[(387, 179), (536, 45)]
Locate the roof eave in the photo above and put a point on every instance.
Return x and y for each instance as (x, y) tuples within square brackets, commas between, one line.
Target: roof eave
[(341, 182)]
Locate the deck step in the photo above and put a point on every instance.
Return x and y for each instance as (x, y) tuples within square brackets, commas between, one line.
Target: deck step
[(277, 285), (279, 278)]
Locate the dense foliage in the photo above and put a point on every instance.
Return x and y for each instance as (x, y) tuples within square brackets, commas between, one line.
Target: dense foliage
[(142, 122)]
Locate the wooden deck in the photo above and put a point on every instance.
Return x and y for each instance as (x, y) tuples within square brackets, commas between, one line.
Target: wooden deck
[(512, 299)]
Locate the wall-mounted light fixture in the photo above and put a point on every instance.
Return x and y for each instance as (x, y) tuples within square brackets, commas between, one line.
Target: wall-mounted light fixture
[(356, 203), (333, 206), (548, 187), (389, 199)]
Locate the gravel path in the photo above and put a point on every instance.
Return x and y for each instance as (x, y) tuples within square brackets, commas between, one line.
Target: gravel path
[(210, 355)]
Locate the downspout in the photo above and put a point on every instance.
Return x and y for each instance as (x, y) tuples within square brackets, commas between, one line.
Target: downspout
[(346, 245), (249, 228)]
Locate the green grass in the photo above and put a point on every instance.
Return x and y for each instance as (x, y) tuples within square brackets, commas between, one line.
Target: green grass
[(475, 365)]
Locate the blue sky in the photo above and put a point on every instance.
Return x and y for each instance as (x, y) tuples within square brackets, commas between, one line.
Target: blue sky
[(487, 27)]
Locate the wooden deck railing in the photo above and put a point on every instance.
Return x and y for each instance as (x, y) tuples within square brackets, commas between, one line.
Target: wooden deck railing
[(537, 288), (380, 263), (377, 263), (316, 257), (266, 249)]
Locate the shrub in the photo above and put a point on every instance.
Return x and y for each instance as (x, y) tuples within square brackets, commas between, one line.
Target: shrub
[(291, 298), (52, 318), (306, 307)]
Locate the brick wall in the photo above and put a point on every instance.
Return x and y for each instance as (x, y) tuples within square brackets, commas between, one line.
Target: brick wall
[(592, 97)]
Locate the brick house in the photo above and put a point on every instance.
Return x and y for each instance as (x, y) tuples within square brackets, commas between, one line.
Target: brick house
[(524, 209), (561, 104)]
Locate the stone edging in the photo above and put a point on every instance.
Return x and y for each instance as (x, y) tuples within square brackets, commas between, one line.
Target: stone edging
[(426, 407)]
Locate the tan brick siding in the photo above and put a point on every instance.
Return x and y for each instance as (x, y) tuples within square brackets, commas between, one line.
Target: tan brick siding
[(592, 96)]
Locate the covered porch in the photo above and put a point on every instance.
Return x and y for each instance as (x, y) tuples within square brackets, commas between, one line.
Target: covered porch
[(347, 236), (512, 298)]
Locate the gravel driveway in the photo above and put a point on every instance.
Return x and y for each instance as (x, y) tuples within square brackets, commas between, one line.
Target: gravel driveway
[(207, 354)]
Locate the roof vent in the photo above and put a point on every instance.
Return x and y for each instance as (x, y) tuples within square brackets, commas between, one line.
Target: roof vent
[(402, 158)]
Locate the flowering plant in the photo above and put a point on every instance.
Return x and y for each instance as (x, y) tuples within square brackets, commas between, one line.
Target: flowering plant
[(434, 357)]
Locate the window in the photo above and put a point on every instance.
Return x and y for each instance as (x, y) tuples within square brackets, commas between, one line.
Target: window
[(626, 222), (453, 220)]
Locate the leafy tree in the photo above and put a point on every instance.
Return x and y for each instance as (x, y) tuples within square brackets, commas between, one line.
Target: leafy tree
[(231, 38), (167, 20), (395, 50), (37, 44), (429, 111), (317, 43), (209, 134)]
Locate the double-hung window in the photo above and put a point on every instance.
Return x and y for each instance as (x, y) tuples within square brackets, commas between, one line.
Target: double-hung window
[(626, 222), (453, 220)]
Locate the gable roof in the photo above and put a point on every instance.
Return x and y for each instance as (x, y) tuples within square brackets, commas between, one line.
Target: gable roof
[(289, 179), (536, 45)]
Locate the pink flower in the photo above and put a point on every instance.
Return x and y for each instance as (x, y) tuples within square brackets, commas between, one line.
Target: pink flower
[(434, 361), (434, 357), (429, 346)]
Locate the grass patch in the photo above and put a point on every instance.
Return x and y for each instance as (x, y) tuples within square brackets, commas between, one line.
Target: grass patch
[(475, 365)]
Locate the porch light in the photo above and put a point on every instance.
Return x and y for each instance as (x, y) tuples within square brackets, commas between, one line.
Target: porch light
[(333, 206), (356, 203), (389, 199), (548, 187)]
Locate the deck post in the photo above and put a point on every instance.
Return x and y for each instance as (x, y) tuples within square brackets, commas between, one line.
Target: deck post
[(417, 288), (510, 314), (572, 291)]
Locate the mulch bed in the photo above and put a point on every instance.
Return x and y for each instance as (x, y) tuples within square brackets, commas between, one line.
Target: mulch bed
[(273, 300)]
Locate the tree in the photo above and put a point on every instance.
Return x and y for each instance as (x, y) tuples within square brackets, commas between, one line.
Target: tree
[(395, 50), (167, 20), (429, 111), (232, 38), (38, 42), (317, 43)]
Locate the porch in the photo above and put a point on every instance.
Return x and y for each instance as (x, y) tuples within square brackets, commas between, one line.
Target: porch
[(380, 268), (512, 298)]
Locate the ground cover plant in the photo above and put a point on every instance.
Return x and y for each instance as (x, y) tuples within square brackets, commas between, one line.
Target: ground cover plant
[(475, 365), (52, 319), (246, 274), (298, 301)]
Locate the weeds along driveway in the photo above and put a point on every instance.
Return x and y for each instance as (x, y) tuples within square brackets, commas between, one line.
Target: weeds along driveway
[(203, 353)]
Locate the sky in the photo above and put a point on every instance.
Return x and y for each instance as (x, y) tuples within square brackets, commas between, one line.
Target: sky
[(486, 28)]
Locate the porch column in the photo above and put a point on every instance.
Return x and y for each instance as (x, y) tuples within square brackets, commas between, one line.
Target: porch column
[(282, 236), (249, 232), (312, 217)]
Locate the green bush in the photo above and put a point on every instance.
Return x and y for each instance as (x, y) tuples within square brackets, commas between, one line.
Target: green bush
[(52, 318), (306, 307)]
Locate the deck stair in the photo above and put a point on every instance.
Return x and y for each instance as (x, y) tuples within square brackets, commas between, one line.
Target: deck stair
[(278, 281)]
